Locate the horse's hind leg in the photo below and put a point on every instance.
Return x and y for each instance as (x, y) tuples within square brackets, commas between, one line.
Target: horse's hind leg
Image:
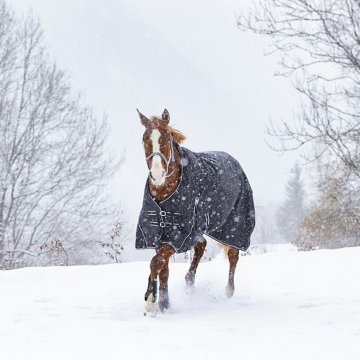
[(233, 255), (199, 248)]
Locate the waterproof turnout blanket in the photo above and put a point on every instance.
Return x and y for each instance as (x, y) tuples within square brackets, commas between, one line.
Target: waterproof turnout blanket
[(213, 197)]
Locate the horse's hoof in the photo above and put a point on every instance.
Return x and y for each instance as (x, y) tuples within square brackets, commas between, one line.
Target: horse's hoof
[(229, 291), (164, 306), (190, 278)]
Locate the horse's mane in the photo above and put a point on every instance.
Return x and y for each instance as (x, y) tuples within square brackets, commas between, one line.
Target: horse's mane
[(177, 135)]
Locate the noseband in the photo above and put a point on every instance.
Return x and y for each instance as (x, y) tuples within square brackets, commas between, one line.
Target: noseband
[(167, 161)]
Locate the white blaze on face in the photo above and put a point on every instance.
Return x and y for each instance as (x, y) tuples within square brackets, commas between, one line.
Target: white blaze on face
[(157, 171)]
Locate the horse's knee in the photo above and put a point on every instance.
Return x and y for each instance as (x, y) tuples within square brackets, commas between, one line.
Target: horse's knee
[(156, 263), (161, 259)]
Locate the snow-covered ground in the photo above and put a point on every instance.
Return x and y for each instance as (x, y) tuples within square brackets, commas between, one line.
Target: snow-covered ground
[(287, 305)]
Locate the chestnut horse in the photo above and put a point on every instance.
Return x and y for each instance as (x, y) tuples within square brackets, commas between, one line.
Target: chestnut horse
[(162, 152)]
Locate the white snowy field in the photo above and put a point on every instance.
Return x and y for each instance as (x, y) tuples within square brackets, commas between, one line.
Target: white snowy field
[(287, 305)]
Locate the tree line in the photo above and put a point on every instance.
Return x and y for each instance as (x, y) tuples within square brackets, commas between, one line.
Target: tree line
[(53, 168), (318, 44)]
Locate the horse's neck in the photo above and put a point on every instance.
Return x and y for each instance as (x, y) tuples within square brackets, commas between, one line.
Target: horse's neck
[(162, 192)]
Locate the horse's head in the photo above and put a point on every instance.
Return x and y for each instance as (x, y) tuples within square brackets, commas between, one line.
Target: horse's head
[(159, 140)]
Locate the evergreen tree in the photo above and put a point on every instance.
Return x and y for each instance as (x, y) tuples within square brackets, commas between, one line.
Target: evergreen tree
[(292, 211)]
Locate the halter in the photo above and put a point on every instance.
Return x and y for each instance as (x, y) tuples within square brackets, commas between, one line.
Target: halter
[(167, 161)]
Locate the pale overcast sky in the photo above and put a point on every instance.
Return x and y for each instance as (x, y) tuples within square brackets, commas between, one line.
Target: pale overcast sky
[(187, 56)]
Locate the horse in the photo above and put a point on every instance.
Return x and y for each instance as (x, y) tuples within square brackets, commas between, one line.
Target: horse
[(187, 195)]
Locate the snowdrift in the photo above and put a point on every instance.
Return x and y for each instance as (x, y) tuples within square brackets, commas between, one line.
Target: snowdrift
[(287, 305)]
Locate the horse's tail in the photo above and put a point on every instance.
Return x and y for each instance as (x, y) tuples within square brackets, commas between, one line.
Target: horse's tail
[(225, 249)]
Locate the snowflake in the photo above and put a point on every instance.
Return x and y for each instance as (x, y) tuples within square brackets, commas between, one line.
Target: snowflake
[(184, 162)]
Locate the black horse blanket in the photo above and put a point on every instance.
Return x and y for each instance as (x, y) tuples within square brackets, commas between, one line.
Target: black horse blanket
[(213, 197)]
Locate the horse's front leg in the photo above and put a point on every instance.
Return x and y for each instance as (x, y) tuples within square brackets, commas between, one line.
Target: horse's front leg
[(164, 302), (159, 265)]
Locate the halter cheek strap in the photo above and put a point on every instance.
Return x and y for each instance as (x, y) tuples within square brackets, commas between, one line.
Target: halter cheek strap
[(166, 160)]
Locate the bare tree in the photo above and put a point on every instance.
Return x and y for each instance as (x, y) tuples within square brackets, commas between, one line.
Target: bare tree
[(52, 168), (318, 42)]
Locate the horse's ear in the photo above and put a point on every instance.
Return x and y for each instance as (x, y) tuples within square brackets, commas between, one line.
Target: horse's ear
[(143, 118), (165, 116)]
